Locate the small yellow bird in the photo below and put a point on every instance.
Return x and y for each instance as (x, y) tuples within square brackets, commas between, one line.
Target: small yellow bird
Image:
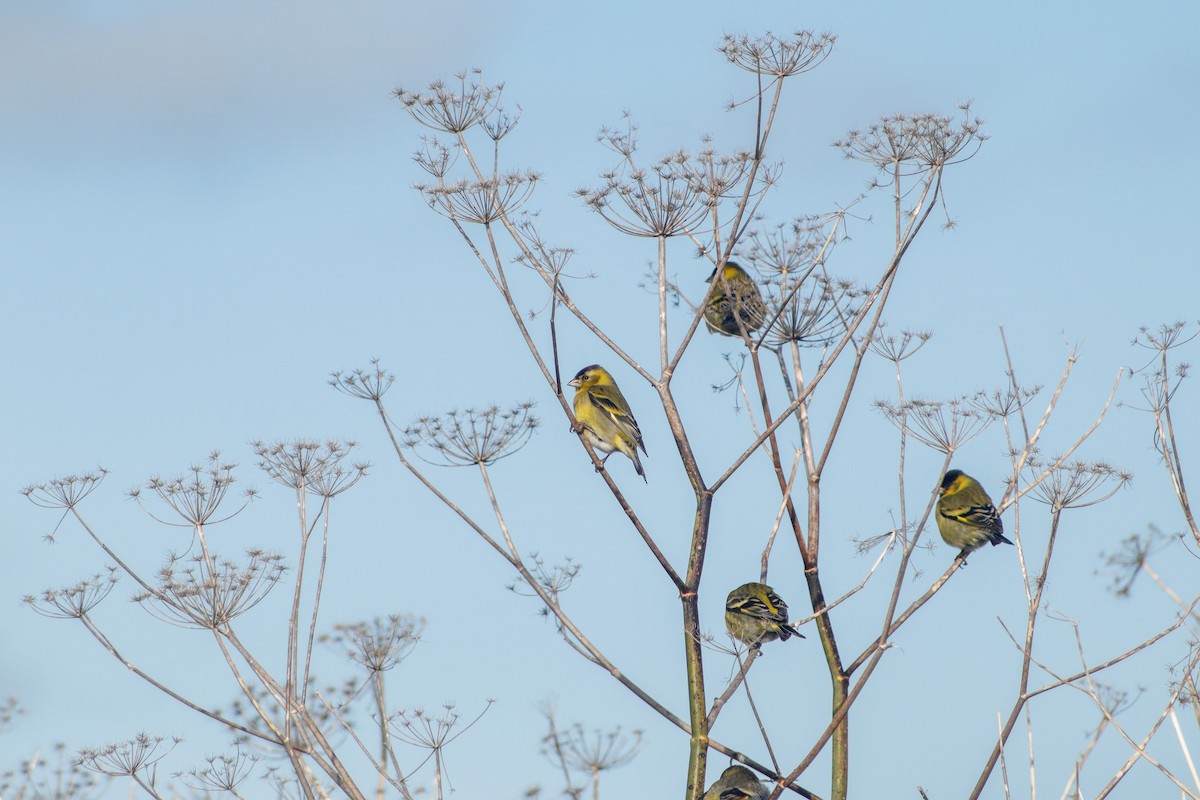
[(737, 783), (755, 614), (966, 517), (607, 421), (733, 296)]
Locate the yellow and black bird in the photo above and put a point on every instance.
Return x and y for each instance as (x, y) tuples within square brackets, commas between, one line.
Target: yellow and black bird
[(966, 517), (737, 783), (733, 295), (755, 614), (605, 416)]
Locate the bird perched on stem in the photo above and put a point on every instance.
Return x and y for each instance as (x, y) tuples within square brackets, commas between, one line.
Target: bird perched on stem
[(966, 517), (737, 783), (605, 418), (755, 614), (733, 296)]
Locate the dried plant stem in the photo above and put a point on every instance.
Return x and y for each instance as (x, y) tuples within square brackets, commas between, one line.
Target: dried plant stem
[(1139, 748), (1026, 659), (762, 730), (738, 676), (1183, 747), (107, 644), (1083, 757)]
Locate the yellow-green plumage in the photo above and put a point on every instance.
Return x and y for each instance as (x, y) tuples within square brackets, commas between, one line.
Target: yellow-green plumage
[(965, 515), (737, 783), (733, 295), (607, 421), (755, 614)]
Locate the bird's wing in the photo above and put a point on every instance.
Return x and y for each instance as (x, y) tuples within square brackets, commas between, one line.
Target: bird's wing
[(981, 516), (736, 793), (755, 607), (612, 406)]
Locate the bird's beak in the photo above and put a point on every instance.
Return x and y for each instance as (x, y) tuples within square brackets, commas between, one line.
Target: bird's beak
[(573, 382)]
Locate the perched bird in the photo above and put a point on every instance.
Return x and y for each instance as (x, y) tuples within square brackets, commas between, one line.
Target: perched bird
[(602, 411), (966, 517), (733, 295), (737, 783), (755, 614)]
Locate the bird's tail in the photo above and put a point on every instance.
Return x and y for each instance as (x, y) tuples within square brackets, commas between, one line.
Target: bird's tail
[(637, 464), (788, 629)]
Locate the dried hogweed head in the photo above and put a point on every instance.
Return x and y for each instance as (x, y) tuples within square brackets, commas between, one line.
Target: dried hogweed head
[(77, 600), (1166, 336), (365, 384), (481, 202), (1002, 403), (1076, 484), (320, 468), (425, 731), (944, 426), (1162, 379), (453, 107), (781, 57), (65, 492), (463, 438), (540, 255), (788, 251), (1128, 562), (379, 644), (914, 143), (595, 751), (196, 495), (207, 592), (718, 176), (223, 773), (140, 754), (10, 709), (895, 348), (813, 313), (664, 200), (553, 579)]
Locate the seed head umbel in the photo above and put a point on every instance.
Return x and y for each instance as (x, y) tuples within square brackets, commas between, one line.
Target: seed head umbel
[(196, 496), (665, 199), (382, 643), (911, 144), (1002, 403), (10, 709), (592, 752), (481, 202), (425, 731), (319, 468), (453, 107), (77, 600), (365, 384), (792, 250), (130, 758), (944, 426), (1077, 484), (65, 492), (897, 348), (208, 592), (222, 773), (781, 57), (471, 436), (814, 313), (554, 579)]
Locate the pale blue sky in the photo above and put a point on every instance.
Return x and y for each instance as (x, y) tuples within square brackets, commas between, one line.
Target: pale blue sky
[(206, 207)]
